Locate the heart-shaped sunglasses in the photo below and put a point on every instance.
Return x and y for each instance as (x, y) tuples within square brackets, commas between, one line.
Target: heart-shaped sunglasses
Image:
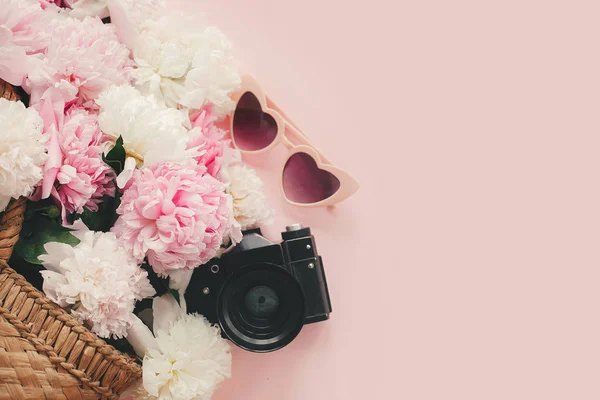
[(307, 179)]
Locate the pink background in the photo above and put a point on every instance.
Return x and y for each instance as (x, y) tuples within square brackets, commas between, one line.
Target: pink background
[(467, 267)]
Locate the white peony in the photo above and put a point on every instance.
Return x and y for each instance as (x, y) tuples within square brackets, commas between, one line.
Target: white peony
[(22, 150), (138, 9), (191, 360), (88, 8), (186, 358), (128, 16), (151, 132), (99, 278), (185, 64), (250, 207), (213, 75)]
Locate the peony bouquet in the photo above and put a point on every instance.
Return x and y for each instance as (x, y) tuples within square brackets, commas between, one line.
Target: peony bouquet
[(130, 177)]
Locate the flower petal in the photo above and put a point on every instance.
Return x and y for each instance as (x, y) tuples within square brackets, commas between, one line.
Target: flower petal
[(180, 279), (55, 254), (52, 281), (140, 337), (127, 173), (166, 311), (4, 200)]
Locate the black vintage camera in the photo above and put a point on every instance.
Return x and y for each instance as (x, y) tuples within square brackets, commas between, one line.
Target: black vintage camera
[(261, 293)]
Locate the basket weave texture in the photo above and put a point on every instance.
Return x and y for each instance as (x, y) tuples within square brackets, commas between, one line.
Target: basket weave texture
[(11, 222), (46, 353)]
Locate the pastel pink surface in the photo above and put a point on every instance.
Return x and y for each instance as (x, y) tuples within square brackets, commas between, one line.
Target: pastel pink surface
[(466, 267)]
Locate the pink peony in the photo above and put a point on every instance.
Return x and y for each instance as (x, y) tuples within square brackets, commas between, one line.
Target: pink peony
[(58, 3), (22, 23), (175, 214), (210, 139), (28, 24), (75, 174), (84, 58)]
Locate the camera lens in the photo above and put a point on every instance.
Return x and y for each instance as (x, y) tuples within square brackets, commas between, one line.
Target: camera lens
[(261, 301), (261, 307)]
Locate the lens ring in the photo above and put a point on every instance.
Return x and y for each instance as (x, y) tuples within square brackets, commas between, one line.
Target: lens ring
[(214, 268), (253, 329), (261, 332)]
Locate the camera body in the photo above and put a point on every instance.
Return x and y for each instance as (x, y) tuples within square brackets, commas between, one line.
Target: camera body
[(261, 293)]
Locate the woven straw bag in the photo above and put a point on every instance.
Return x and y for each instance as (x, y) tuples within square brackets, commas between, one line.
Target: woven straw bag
[(45, 353)]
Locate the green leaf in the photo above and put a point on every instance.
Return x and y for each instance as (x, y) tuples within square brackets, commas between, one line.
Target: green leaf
[(106, 216), (52, 212), (31, 272), (46, 207), (93, 220), (122, 345), (161, 285), (116, 156), (36, 233)]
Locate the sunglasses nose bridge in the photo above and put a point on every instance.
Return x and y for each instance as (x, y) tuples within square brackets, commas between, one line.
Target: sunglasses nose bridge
[(285, 140)]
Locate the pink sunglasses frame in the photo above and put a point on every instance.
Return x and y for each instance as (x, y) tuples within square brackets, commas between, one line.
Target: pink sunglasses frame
[(287, 134)]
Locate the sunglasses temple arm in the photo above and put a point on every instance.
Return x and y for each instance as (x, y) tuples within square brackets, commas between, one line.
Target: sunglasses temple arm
[(275, 107), (293, 132)]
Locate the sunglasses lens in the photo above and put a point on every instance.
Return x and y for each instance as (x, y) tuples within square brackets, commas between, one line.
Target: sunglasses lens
[(305, 183), (252, 128)]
